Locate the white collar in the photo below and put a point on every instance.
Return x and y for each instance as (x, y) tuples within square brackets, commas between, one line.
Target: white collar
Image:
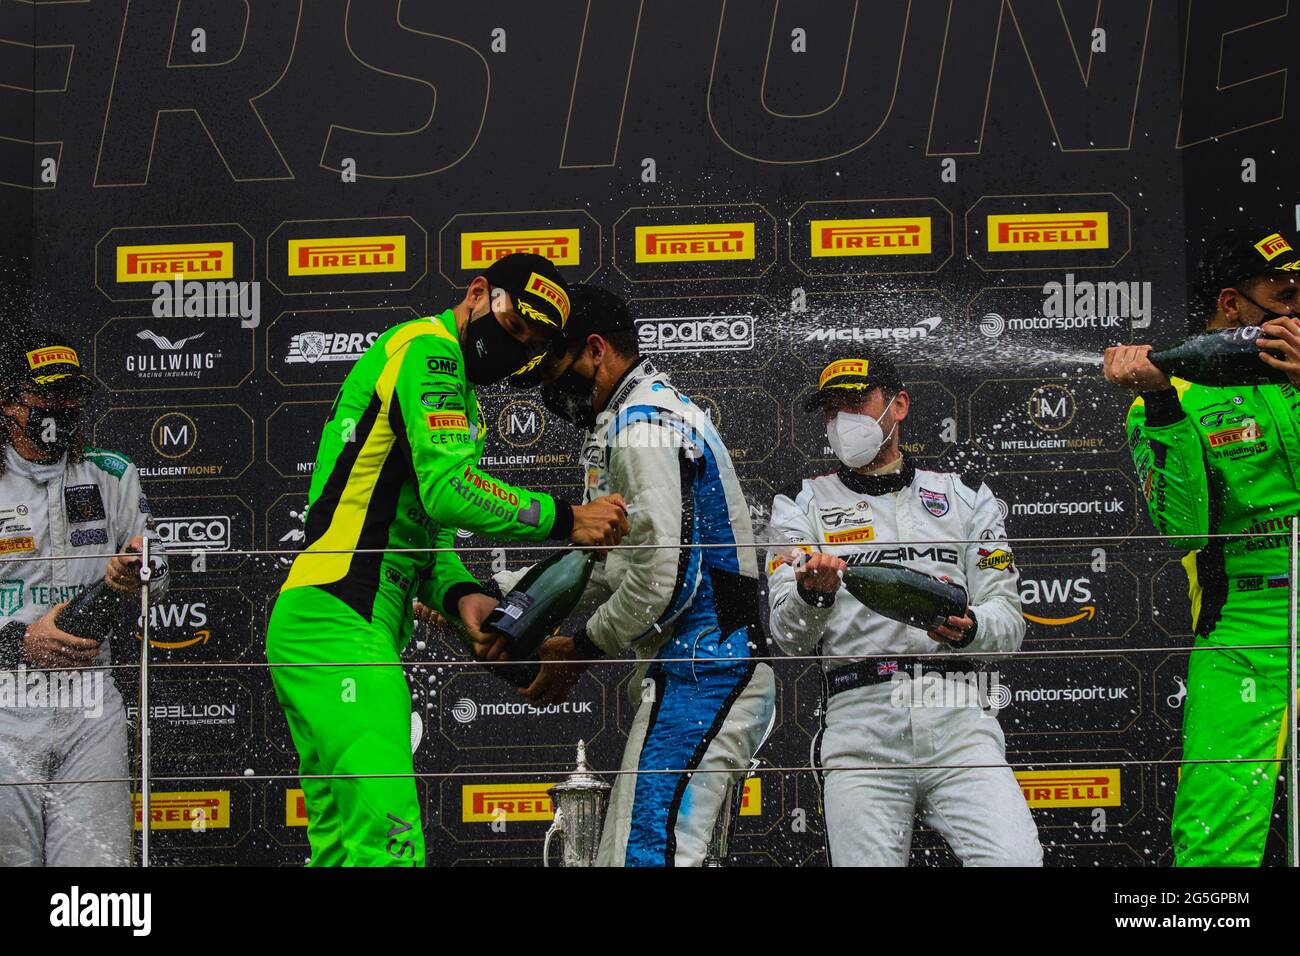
[(37, 471)]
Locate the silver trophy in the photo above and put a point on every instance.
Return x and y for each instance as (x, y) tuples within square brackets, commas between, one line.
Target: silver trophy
[(724, 825), (579, 812)]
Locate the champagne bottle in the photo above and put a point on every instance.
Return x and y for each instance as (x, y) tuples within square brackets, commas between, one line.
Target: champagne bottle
[(94, 613), (1221, 357), (902, 594), (535, 607)]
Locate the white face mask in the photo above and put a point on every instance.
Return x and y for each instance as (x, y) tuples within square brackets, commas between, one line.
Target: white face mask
[(857, 439)]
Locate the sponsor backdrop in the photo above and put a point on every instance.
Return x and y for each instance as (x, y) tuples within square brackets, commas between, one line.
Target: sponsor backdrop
[(990, 192)]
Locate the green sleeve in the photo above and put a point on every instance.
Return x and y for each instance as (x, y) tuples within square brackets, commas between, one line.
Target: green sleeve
[(449, 580), (428, 407), (1171, 468)]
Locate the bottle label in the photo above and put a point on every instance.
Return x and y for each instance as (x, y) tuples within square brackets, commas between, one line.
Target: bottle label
[(512, 611)]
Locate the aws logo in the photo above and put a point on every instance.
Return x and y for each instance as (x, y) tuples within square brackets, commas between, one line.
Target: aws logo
[(1058, 592), (191, 619)]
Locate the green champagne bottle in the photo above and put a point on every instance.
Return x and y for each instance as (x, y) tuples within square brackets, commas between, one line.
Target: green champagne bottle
[(904, 595), (1221, 357), (539, 602)]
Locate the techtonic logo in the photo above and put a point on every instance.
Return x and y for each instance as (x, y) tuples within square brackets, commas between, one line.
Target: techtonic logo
[(979, 688), (921, 329)]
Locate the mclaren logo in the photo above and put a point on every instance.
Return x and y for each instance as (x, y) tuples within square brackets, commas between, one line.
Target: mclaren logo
[(870, 237), (1049, 231)]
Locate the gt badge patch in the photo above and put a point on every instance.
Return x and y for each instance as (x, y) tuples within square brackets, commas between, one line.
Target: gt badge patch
[(936, 502)]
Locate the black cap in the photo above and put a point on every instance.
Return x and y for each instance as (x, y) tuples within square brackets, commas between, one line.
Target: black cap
[(1239, 254), (596, 311), (541, 295), (848, 375), (41, 360)]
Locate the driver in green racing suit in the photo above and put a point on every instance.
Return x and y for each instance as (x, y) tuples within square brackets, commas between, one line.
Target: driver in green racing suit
[(1226, 460), (398, 469)]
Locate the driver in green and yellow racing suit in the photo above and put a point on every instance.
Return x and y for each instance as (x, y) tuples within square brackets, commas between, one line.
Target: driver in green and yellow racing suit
[(397, 472), (1226, 460)]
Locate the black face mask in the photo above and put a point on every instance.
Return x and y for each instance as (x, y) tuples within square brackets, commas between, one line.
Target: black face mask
[(491, 353), (569, 396), (1269, 314), (51, 429)]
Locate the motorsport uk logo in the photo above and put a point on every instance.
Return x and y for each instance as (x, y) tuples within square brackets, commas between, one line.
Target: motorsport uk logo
[(466, 711)]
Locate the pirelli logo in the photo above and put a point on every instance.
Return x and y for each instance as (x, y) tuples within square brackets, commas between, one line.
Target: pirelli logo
[(1049, 231), (843, 367), (540, 285), (17, 545), (53, 355), (1070, 788), (1233, 436), (751, 798), (448, 421), (784, 558), (851, 535), (186, 810), (348, 255), (870, 237), (209, 260), (481, 249), (702, 242), (1270, 247), (295, 808), (486, 802)]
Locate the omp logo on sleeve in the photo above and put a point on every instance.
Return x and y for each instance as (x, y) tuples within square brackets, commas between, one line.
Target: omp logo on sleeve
[(486, 802), (870, 237), (185, 810), (1070, 788), (1034, 232), (478, 249), (204, 260), (347, 254), (1270, 247), (696, 242)]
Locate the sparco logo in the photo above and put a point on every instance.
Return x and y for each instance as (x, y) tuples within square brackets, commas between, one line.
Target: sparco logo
[(709, 333), (313, 347), (922, 329), (207, 533)]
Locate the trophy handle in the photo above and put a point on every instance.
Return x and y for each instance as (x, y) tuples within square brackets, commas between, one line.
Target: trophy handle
[(557, 826)]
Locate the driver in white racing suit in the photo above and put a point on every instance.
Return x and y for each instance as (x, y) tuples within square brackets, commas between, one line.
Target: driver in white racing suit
[(885, 703), (62, 724)]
